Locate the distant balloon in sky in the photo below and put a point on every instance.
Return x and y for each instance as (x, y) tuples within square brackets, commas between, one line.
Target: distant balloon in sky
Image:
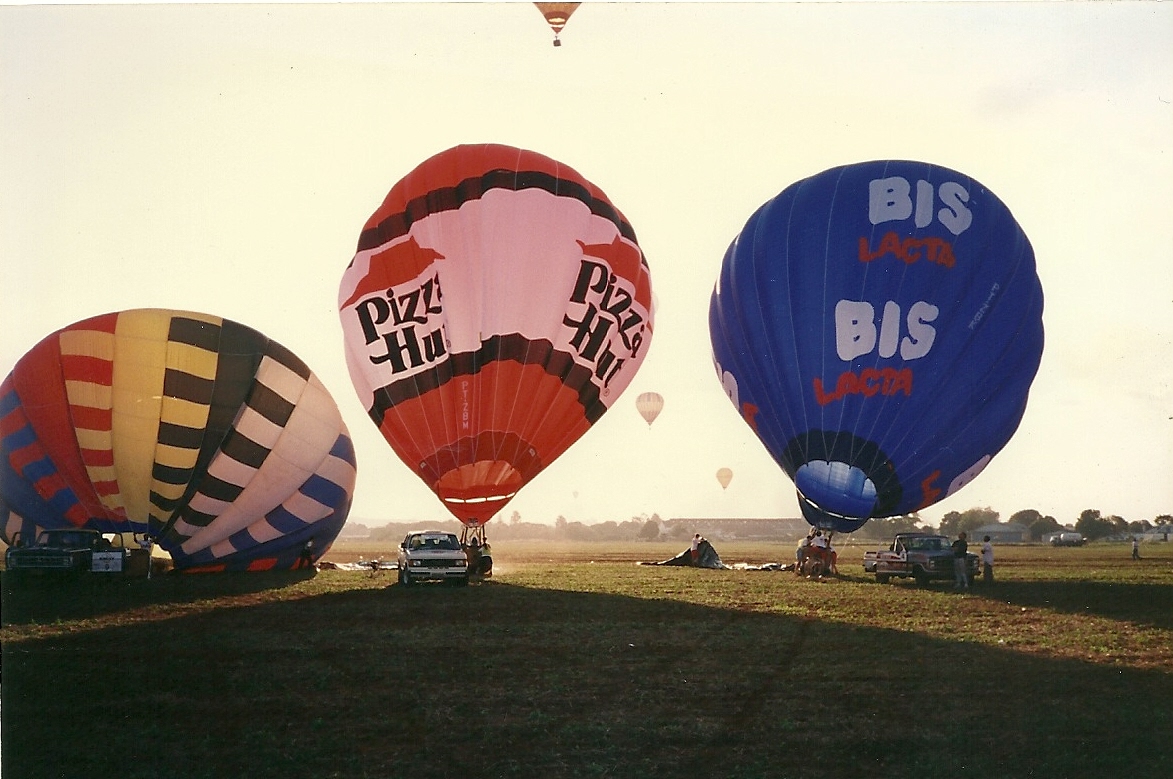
[(724, 476), (556, 15), (649, 405), (217, 441), (498, 305), (879, 325)]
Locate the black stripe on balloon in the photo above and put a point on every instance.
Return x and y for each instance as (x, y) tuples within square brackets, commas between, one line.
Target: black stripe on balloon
[(276, 351), (514, 347), (244, 450), (179, 436), (847, 448), (193, 518), (204, 335), (270, 405), (186, 386), (239, 350), (452, 198), (163, 503), (169, 474), (218, 489)]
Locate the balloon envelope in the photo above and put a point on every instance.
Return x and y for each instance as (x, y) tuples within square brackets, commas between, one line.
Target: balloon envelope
[(649, 405), (215, 440), (556, 15), (724, 476), (497, 306), (879, 325)]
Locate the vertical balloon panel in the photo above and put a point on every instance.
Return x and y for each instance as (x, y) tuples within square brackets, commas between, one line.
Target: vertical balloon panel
[(215, 440), (879, 325), (497, 306)]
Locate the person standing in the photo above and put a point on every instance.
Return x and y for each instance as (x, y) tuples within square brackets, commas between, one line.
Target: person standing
[(987, 561), (694, 550), (960, 558), (800, 554), (146, 544), (1135, 549)]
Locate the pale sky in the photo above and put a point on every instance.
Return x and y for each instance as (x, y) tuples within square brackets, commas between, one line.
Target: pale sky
[(224, 159)]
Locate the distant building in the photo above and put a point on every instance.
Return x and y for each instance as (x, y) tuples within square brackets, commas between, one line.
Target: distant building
[(354, 530), (1010, 533)]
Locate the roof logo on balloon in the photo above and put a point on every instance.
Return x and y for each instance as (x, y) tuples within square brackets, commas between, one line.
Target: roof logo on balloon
[(909, 250), (890, 199), (391, 266), (392, 319), (607, 305)]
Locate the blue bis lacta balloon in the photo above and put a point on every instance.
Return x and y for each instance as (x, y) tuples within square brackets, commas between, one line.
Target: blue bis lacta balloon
[(878, 325)]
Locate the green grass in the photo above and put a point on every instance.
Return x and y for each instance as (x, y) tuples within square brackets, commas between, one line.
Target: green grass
[(575, 662)]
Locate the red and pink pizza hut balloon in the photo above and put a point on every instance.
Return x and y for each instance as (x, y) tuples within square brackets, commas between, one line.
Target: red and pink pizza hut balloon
[(497, 306)]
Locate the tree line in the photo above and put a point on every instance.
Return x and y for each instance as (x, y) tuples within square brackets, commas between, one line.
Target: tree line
[(635, 529), (1092, 524)]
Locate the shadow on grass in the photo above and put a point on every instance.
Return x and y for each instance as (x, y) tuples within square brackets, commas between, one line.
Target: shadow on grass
[(1150, 604), (47, 599), (507, 681), (1139, 603)]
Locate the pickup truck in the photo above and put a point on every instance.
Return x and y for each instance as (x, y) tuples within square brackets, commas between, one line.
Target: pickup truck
[(71, 551), (432, 555), (923, 556)]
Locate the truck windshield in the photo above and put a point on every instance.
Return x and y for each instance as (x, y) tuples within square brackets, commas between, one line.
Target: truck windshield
[(65, 539), (435, 542), (925, 544)]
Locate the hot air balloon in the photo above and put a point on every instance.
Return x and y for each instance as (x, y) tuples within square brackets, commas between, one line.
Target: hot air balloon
[(556, 15), (497, 306), (216, 441), (649, 405), (724, 476), (879, 325)]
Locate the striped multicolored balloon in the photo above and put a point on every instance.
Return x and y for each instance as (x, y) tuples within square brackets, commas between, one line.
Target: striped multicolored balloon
[(217, 441)]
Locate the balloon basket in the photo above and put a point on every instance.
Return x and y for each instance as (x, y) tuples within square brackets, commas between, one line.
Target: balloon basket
[(480, 554)]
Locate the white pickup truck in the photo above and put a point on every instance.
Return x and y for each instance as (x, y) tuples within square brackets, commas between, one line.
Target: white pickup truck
[(433, 555)]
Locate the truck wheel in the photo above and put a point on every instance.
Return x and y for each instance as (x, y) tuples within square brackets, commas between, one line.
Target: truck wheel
[(883, 578), (404, 578), (922, 578)]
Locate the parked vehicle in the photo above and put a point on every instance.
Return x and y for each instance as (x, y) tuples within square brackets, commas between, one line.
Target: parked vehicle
[(1067, 539), (432, 555), (922, 556), (72, 551)]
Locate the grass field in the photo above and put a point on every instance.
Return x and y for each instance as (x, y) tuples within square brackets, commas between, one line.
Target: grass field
[(574, 662)]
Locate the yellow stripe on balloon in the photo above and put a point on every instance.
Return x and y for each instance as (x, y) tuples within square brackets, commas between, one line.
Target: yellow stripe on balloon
[(140, 349), (184, 412)]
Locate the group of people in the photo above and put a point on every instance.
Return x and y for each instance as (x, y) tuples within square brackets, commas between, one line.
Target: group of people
[(817, 545)]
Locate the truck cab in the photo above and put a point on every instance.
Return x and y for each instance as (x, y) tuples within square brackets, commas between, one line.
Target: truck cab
[(67, 551)]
